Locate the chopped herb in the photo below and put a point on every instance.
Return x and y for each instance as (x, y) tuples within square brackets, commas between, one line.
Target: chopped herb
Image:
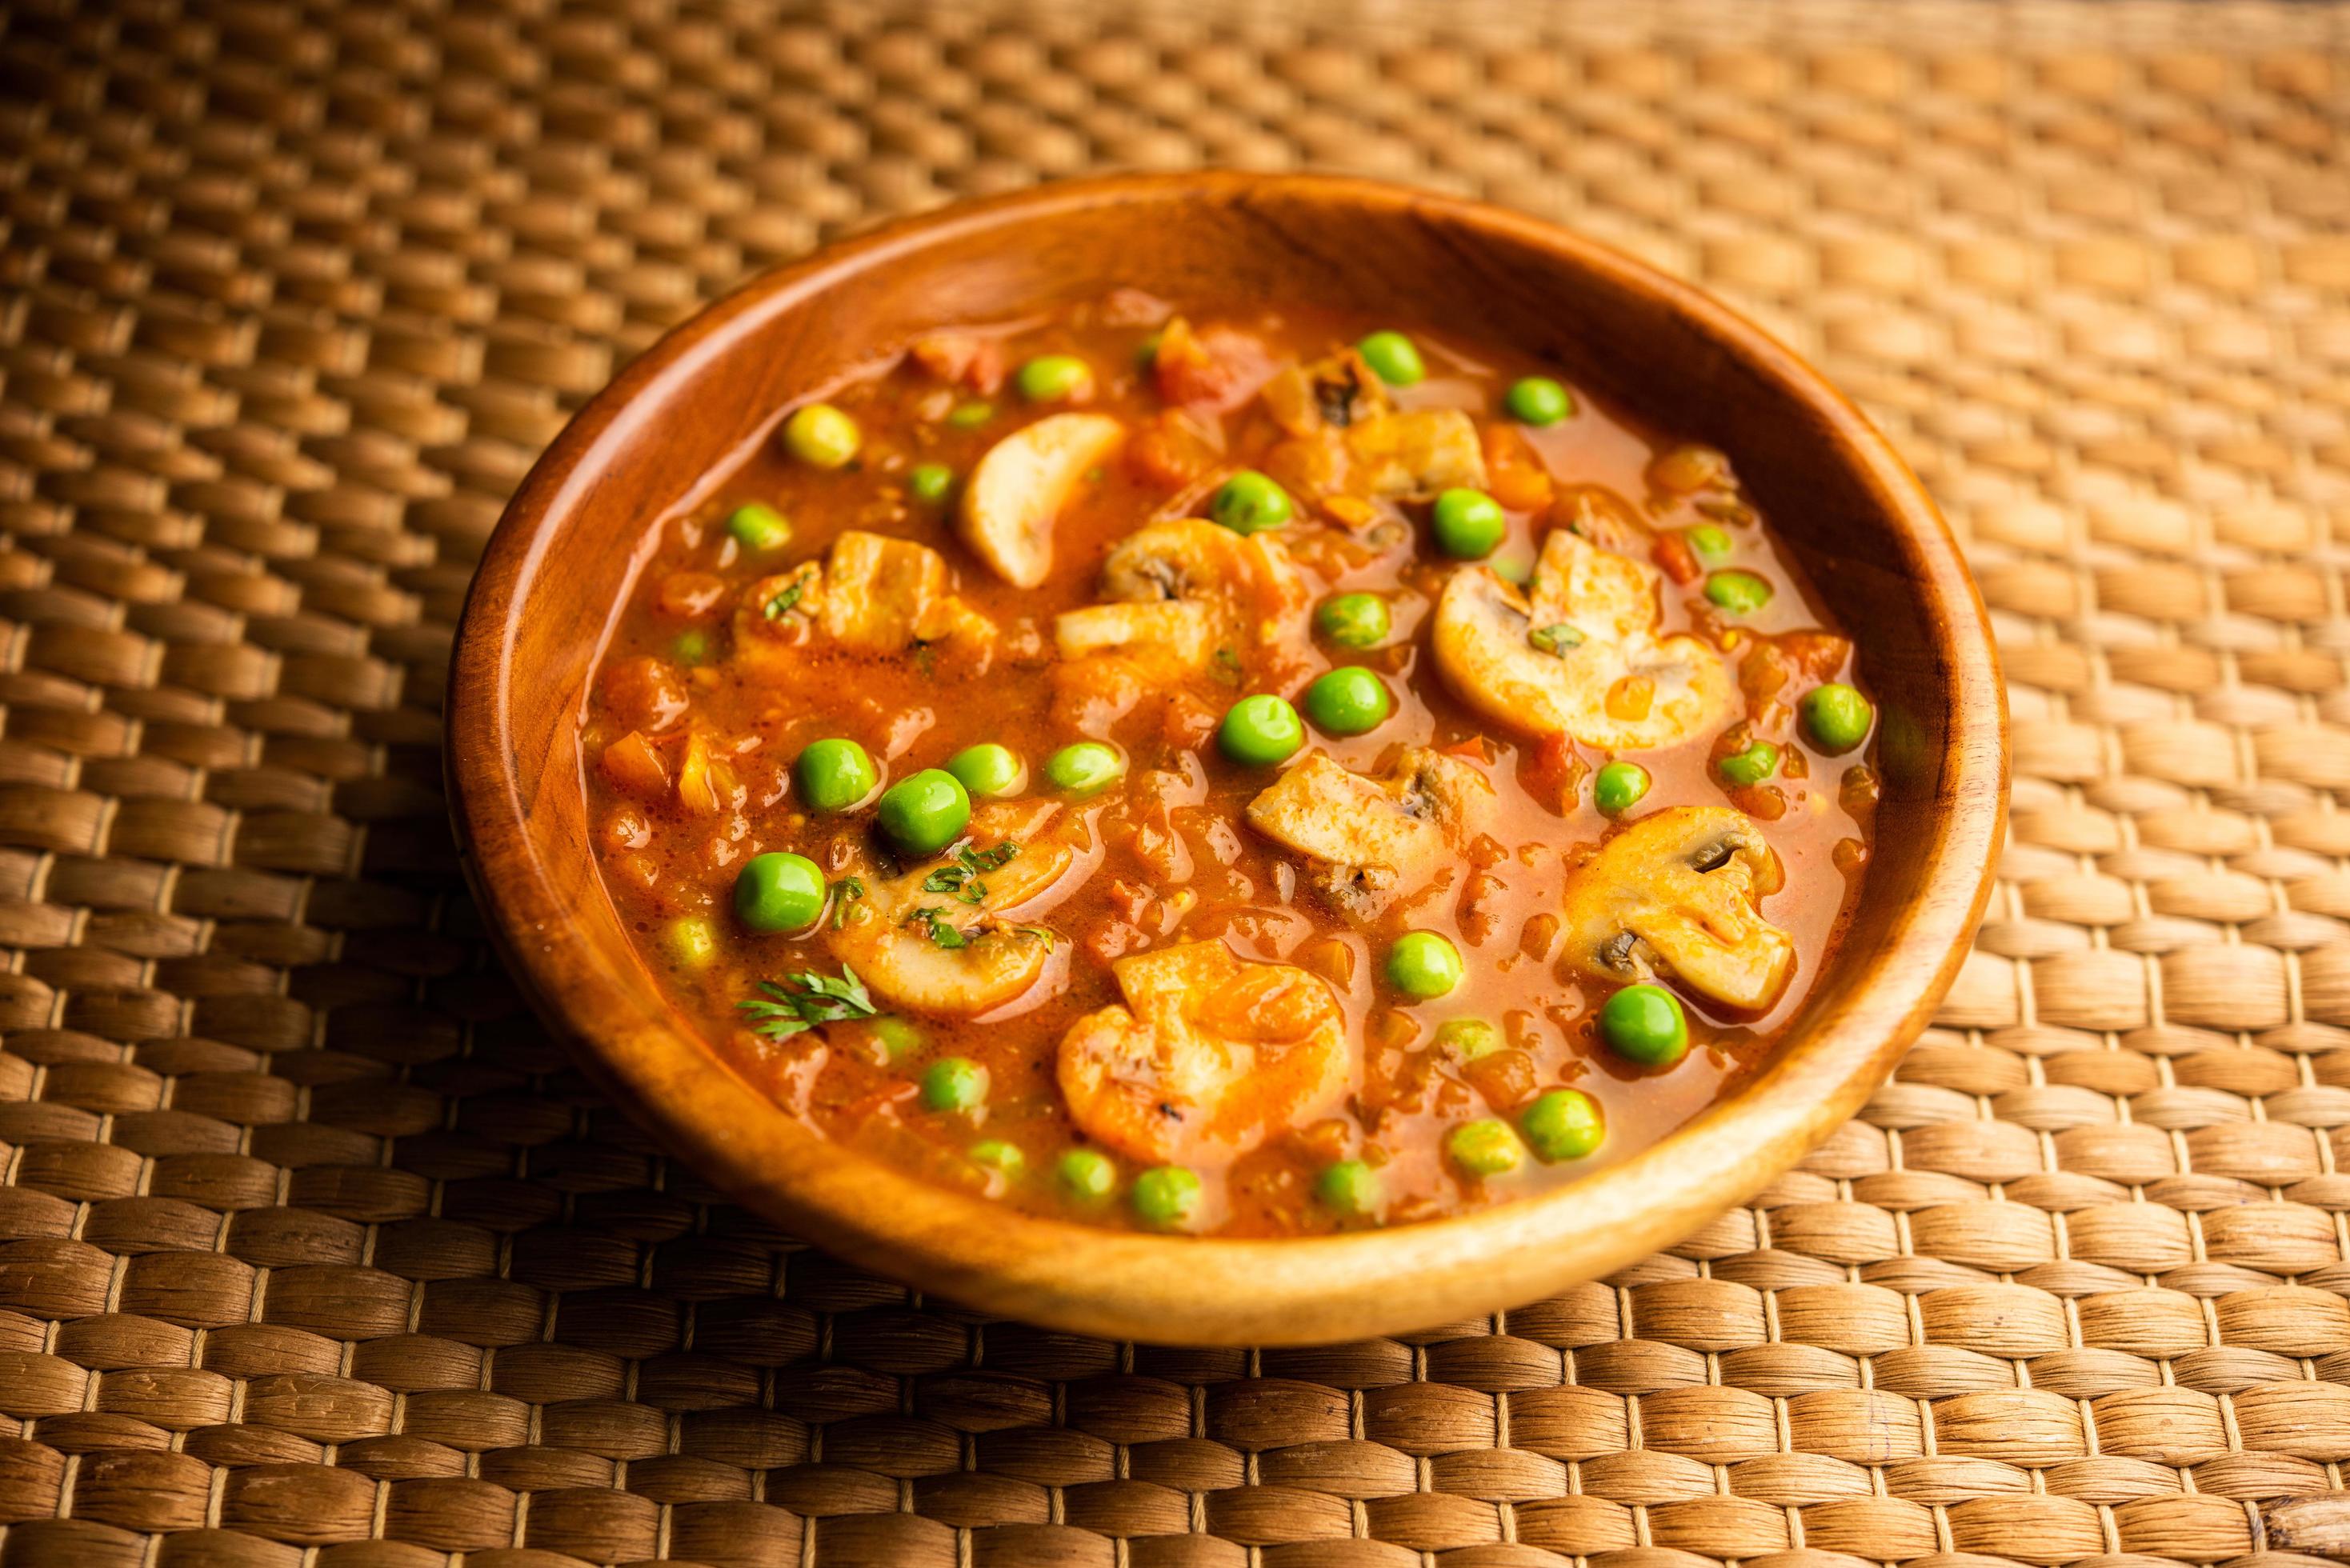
[(1557, 639), (1040, 933), (961, 879), (1228, 666), (845, 892), (986, 860), (941, 934), (820, 999), (781, 605)]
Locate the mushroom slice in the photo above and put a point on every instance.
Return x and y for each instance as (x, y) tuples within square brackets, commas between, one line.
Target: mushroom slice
[(1172, 637), (923, 943), (1181, 588), (1370, 841), (1017, 491), (1579, 653), (1415, 456), (1207, 1058), (1339, 390), (1677, 895), (872, 596)]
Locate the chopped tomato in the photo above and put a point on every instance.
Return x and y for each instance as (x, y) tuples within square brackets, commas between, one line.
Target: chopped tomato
[(644, 694), (1514, 474), (963, 359), (1216, 370), (1675, 559), (635, 768)]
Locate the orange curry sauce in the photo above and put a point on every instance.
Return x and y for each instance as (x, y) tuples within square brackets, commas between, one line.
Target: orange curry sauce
[(691, 734)]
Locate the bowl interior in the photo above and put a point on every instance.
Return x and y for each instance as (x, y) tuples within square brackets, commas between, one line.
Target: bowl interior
[(1852, 515)]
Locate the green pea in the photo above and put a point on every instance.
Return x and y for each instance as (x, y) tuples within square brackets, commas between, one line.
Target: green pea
[(1564, 1124), (970, 414), (1353, 621), (778, 892), (1752, 765), (1469, 524), (693, 646), (1395, 356), (1514, 571), (691, 942), (989, 770), (1085, 768), (1261, 730), (835, 775), (1645, 1023), (759, 527), (1836, 716), (1619, 787), (955, 1084), (930, 482), (1167, 1196), (1712, 542), (821, 434), (997, 1155), (1485, 1146), (1348, 700), (926, 813), (1249, 502), (1349, 1186), (899, 1037), (1469, 1038), (1739, 593), (1538, 401), (1088, 1175), (1423, 964), (1055, 379)]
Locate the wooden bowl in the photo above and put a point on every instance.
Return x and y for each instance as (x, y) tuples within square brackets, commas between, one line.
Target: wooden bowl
[(555, 570)]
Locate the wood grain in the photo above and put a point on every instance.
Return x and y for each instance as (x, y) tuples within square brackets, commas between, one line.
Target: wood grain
[(1853, 513)]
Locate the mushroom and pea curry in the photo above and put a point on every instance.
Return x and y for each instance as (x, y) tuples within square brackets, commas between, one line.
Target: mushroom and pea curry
[(1229, 772)]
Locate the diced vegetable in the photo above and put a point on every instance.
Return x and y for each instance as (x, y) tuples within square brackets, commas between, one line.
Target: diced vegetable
[(1423, 964), (1260, 731), (821, 434)]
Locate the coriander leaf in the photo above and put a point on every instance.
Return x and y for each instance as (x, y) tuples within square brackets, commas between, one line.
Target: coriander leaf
[(845, 892), (782, 1012), (1557, 639), (940, 933), (781, 604)]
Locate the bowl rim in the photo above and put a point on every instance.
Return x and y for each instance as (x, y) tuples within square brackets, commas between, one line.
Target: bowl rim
[(1205, 1290)]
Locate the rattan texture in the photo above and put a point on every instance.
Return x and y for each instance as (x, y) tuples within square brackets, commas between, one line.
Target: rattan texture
[(314, 1252)]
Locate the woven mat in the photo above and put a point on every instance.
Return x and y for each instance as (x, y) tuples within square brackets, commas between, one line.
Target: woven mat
[(314, 1251)]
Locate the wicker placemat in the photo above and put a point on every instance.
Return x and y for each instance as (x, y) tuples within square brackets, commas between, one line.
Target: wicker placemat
[(315, 1250)]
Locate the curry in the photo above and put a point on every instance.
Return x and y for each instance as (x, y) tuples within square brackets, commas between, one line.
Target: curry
[(1228, 770)]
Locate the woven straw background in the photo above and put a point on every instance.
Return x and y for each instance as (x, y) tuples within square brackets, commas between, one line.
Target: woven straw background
[(312, 1249)]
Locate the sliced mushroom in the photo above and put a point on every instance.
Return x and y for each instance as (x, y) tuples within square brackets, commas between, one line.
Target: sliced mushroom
[(1415, 456), (1180, 592), (921, 947), (872, 596), (1369, 842), (1171, 637), (1578, 653), (1207, 1058), (1677, 895), (1340, 390), (1017, 489)]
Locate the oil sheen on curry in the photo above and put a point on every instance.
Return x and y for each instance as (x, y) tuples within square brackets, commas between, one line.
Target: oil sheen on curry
[(1229, 772)]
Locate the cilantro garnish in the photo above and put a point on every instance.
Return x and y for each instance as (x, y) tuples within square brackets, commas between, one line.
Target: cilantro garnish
[(941, 934), (820, 999), (781, 604), (961, 879), (1556, 640), (845, 892)]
